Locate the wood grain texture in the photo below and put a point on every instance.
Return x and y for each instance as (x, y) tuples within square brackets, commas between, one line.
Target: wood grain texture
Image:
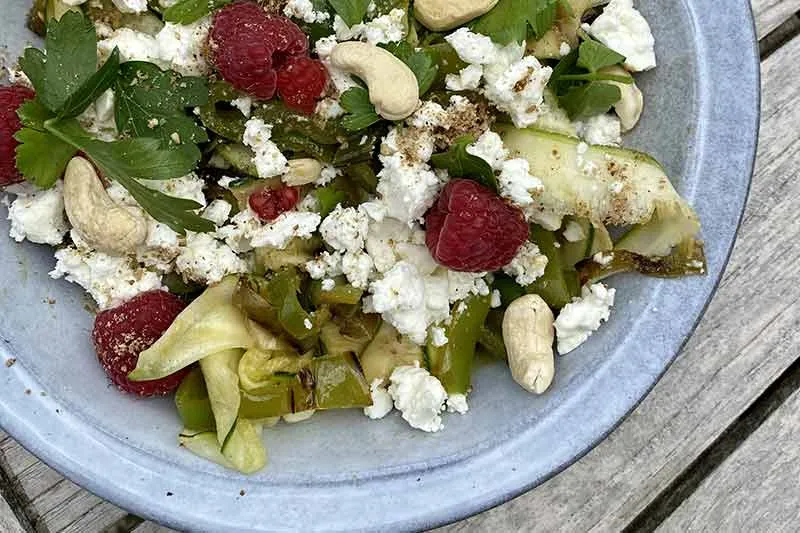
[(8, 521), (747, 338), (150, 527), (53, 504), (756, 488), (770, 14)]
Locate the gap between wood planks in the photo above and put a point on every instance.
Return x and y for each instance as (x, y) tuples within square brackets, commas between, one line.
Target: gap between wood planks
[(754, 416)]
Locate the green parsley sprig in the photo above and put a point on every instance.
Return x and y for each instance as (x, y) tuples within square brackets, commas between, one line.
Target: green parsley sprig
[(461, 164), (67, 82), (511, 20), (578, 80)]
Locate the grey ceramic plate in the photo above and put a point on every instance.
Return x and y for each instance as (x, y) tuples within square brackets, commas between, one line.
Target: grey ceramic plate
[(340, 471)]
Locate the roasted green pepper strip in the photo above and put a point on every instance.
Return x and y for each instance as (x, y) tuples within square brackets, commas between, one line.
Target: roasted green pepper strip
[(282, 294), (342, 293), (491, 337), (193, 404), (338, 383), (249, 297), (452, 363), (557, 286), (687, 259), (268, 403)]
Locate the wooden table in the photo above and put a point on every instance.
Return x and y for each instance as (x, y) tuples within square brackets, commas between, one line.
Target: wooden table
[(714, 447)]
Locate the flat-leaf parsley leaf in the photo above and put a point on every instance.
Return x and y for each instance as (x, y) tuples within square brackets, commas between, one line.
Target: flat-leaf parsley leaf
[(152, 103), (461, 164), (361, 112)]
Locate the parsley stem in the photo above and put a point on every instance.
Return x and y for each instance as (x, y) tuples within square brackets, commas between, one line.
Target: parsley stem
[(596, 77)]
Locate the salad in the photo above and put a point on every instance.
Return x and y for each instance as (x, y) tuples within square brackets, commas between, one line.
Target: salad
[(286, 207)]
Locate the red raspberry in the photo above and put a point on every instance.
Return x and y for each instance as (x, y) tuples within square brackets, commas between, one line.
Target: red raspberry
[(472, 229), (287, 39), (269, 204), (246, 45), (301, 82), (11, 98), (239, 50), (122, 333)]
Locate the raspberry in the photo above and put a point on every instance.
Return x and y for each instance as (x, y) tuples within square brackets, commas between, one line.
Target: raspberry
[(287, 39), (122, 333), (246, 45), (11, 98), (301, 82), (472, 229), (269, 204)]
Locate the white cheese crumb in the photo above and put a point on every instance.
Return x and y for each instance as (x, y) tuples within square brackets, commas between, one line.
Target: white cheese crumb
[(467, 79), (528, 265), (308, 324), (623, 29), (384, 29), (410, 301), (583, 316), (345, 229), (381, 400), (182, 47), (328, 284), (268, 159), (218, 212), (601, 130), (243, 104), (461, 285), (110, 281), (490, 148), (457, 403), (207, 260), (438, 336), (304, 10), (39, 216), (419, 396), (564, 49), (516, 182)]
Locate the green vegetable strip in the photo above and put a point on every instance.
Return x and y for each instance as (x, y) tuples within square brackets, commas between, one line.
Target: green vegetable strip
[(338, 383), (557, 286), (452, 363), (193, 404)]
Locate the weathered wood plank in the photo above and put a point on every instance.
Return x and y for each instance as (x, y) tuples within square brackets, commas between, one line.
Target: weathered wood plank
[(748, 337), (770, 14), (8, 522), (756, 488), (54, 504), (150, 527)]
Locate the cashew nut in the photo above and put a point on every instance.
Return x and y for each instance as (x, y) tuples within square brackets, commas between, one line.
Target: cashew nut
[(528, 335), (302, 172), (104, 225), (629, 108), (393, 88), (441, 15)]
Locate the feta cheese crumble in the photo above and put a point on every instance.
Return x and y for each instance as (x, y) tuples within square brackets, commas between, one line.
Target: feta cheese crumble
[(583, 316), (513, 82), (206, 260), (304, 10), (384, 29), (39, 216), (457, 403), (438, 336), (419, 397), (243, 104), (622, 28), (528, 265), (601, 129), (109, 280), (345, 229), (382, 403), (268, 159), (182, 48)]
